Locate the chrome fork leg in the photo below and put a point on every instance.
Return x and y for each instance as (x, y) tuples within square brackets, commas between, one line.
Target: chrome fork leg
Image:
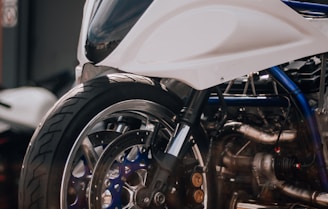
[(175, 150)]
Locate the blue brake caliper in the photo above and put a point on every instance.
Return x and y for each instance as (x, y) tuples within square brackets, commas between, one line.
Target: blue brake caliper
[(126, 168)]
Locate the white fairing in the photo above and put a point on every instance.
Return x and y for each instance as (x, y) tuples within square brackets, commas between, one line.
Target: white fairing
[(207, 42)]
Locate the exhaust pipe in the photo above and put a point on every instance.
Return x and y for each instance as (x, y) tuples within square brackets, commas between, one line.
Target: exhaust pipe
[(260, 136), (319, 198)]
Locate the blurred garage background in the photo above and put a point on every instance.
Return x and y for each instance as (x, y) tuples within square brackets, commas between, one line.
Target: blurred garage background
[(38, 41)]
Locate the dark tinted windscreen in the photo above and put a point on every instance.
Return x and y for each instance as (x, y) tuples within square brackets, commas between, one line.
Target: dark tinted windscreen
[(111, 22)]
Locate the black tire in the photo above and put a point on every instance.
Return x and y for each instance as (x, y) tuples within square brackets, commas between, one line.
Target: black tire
[(54, 172)]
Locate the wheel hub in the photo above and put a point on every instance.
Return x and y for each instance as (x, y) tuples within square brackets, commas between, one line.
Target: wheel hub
[(121, 173)]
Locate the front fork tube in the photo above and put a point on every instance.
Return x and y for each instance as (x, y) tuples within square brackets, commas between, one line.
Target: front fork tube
[(190, 115), (178, 145)]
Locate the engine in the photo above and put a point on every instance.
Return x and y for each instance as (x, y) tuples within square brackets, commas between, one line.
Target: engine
[(256, 161), (262, 153)]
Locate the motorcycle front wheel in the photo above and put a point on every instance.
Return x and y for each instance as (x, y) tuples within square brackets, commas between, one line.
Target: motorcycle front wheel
[(95, 149)]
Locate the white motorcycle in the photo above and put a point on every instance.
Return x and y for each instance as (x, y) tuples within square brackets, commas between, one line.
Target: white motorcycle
[(188, 104)]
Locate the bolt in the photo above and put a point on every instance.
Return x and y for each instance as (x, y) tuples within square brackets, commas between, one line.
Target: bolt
[(159, 198), (146, 200)]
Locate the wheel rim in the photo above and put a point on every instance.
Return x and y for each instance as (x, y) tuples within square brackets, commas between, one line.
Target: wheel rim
[(95, 137)]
